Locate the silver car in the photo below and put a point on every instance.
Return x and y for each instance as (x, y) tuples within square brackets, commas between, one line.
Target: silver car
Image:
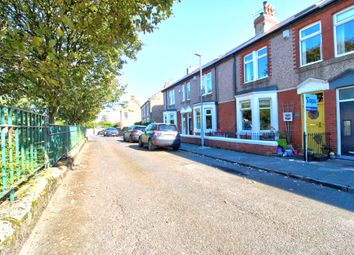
[(160, 135)]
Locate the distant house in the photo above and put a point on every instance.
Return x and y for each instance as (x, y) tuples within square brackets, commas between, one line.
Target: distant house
[(130, 113), (152, 109), (248, 91)]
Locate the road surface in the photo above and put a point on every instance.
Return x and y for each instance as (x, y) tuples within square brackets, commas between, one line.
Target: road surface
[(122, 199)]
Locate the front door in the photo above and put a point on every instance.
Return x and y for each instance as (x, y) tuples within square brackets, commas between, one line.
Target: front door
[(315, 125), (347, 127), (315, 119)]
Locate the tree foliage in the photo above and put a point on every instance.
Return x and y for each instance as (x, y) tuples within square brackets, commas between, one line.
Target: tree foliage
[(64, 55)]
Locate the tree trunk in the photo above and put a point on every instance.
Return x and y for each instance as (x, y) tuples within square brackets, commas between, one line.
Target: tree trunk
[(52, 113)]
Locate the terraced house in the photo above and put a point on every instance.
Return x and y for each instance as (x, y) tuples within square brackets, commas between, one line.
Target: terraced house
[(253, 95)]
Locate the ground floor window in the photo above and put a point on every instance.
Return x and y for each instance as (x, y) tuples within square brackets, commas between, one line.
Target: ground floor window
[(170, 117), (264, 114), (257, 113), (208, 121), (246, 115)]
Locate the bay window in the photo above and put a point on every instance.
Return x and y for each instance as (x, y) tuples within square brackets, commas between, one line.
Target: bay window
[(344, 32), (246, 114), (256, 65), (257, 113), (170, 117), (264, 114), (311, 44), (209, 117), (197, 118)]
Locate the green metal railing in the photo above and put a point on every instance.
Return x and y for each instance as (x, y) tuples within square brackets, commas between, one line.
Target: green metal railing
[(28, 144)]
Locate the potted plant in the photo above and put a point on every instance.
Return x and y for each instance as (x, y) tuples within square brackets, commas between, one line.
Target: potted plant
[(325, 149), (332, 155), (310, 154)]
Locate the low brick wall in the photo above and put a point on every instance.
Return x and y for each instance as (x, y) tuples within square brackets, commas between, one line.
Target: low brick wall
[(191, 140), (267, 148)]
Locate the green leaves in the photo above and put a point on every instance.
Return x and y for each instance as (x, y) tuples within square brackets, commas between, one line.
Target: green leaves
[(66, 54)]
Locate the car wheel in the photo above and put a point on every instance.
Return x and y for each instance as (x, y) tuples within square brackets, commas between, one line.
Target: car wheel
[(151, 147), (124, 138), (130, 139), (175, 148), (141, 144)]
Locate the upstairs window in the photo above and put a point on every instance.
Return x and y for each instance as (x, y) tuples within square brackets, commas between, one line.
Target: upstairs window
[(256, 65), (183, 93), (206, 84), (171, 97), (188, 94), (344, 32), (311, 44)]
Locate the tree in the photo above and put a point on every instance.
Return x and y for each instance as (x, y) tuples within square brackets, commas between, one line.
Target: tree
[(64, 55)]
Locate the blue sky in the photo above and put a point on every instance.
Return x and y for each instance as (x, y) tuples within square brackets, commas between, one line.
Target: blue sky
[(209, 27)]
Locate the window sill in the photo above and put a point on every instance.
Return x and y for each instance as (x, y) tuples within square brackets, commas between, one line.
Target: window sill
[(310, 64), (255, 82), (344, 54)]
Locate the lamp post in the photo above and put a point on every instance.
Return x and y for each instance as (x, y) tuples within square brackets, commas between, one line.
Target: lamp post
[(201, 101)]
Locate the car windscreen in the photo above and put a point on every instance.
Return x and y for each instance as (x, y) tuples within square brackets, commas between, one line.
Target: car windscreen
[(111, 129), (139, 128), (167, 128)]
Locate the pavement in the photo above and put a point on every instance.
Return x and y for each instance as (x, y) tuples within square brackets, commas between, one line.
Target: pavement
[(337, 173)]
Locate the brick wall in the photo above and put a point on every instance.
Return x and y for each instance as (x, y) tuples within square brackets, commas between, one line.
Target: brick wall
[(248, 50), (226, 117), (191, 140), (291, 97), (235, 146), (331, 117), (326, 18)]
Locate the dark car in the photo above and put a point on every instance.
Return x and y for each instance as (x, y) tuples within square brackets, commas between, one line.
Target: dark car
[(111, 132), (160, 135), (132, 133)]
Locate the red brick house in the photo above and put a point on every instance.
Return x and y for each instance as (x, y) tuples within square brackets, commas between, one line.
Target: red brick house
[(248, 92)]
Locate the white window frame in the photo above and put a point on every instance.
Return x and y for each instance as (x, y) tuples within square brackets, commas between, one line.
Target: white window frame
[(335, 25), (204, 86), (183, 93), (188, 94), (265, 108), (254, 99), (254, 62), (167, 117), (171, 97), (308, 37), (245, 109), (206, 106)]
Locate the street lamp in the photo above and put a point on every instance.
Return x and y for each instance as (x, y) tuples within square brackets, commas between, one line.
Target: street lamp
[(201, 101)]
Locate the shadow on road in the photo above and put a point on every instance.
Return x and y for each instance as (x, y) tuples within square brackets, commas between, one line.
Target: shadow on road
[(322, 194)]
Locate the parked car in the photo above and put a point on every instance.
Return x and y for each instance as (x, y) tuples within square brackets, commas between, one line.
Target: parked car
[(101, 132), (160, 135), (124, 129), (132, 133), (111, 132)]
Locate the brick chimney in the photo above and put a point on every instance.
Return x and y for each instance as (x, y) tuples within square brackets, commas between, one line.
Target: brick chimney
[(266, 19)]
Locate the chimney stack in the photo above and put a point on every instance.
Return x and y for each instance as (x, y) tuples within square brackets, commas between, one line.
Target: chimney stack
[(266, 19)]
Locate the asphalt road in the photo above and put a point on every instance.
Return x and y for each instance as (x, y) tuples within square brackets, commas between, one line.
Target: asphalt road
[(122, 199)]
